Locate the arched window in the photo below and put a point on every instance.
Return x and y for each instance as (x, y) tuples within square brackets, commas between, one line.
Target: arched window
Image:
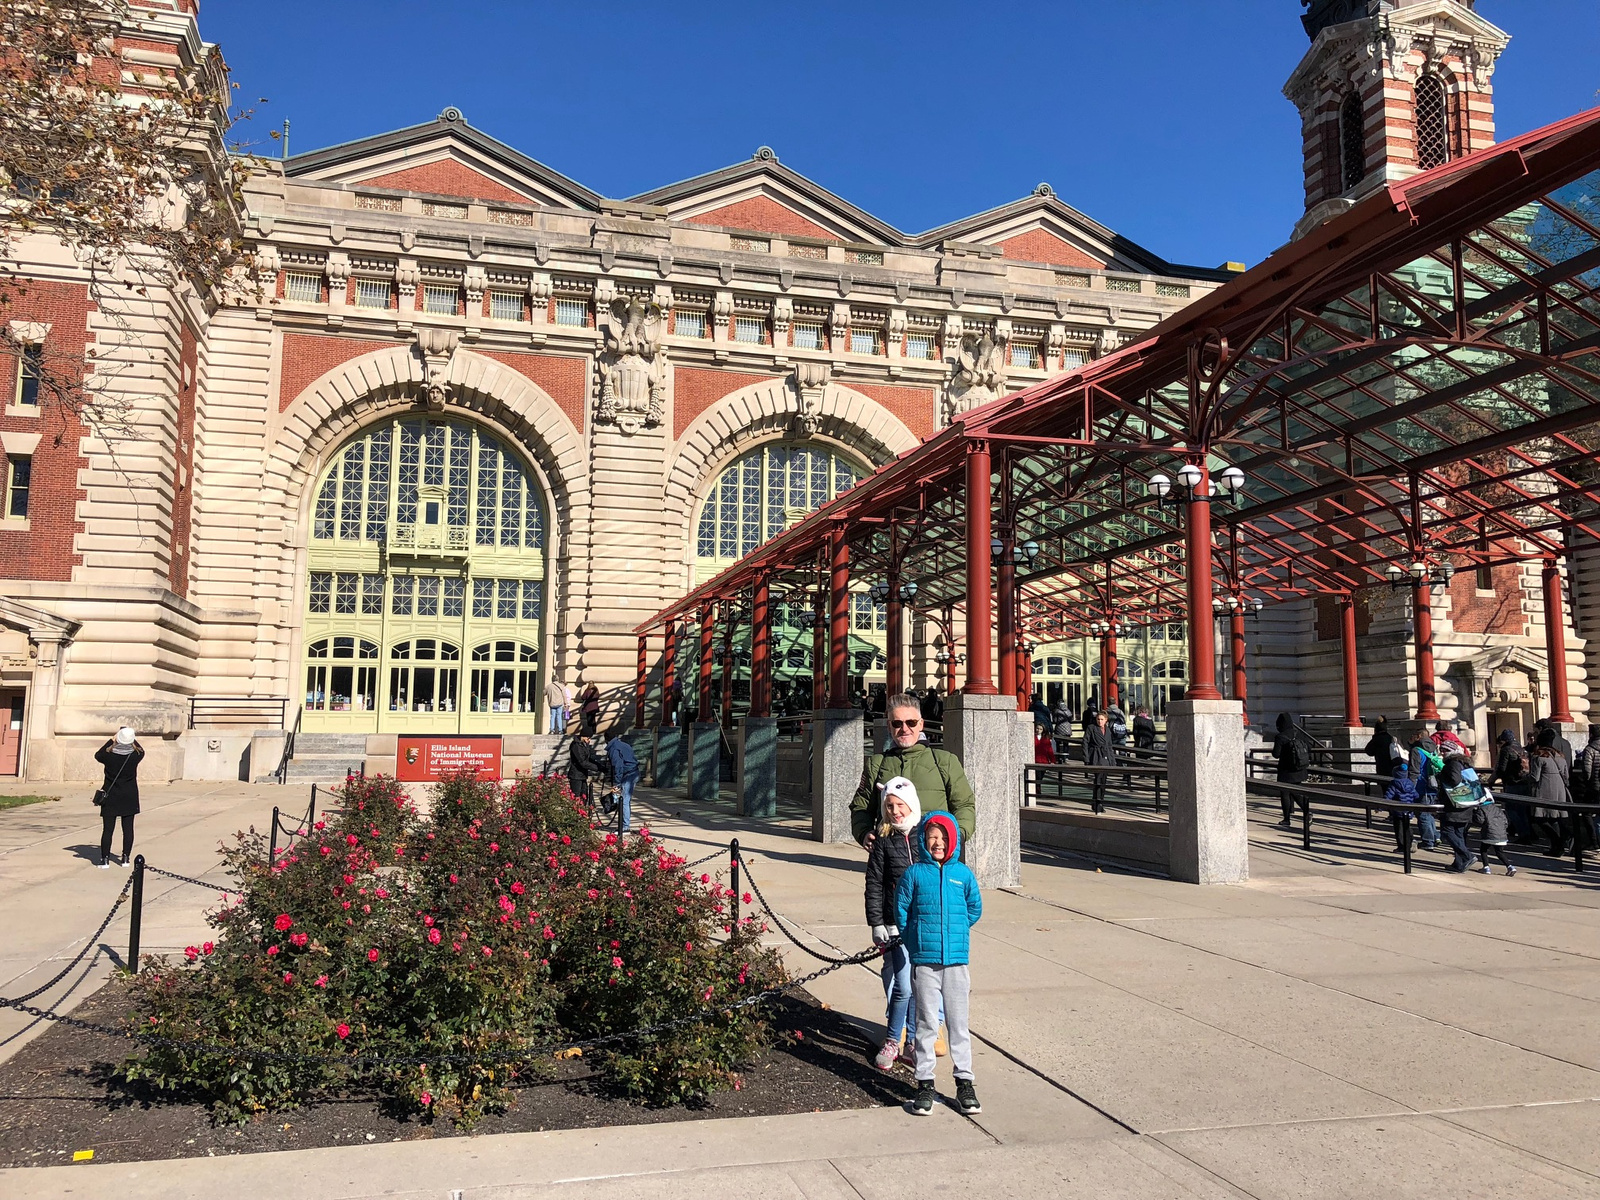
[(341, 674), (1433, 123), (418, 680), (1353, 140), (754, 499)]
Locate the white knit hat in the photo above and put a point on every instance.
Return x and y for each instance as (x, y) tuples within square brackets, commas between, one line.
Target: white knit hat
[(126, 735)]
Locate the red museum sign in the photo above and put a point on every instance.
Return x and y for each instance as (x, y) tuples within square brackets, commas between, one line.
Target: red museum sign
[(430, 758)]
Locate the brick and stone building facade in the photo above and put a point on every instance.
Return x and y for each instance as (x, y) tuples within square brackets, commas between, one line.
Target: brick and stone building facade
[(474, 421)]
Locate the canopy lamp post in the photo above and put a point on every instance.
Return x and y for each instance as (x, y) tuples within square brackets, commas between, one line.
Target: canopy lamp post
[(948, 660), (1422, 577), (1007, 558), (1193, 490), (1107, 631), (1236, 607)]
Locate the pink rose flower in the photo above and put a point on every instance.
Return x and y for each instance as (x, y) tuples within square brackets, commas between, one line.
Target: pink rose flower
[(372, 955), (343, 1030), (283, 922)]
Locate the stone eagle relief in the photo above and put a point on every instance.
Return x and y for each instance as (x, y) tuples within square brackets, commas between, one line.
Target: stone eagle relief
[(632, 368)]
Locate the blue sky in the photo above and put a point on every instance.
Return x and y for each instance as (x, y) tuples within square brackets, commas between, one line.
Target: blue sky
[(1163, 119)]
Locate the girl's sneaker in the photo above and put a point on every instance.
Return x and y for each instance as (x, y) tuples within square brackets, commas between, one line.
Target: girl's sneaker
[(1511, 871), (887, 1053)]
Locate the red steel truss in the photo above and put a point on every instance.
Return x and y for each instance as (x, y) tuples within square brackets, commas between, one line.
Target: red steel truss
[(1416, 381)]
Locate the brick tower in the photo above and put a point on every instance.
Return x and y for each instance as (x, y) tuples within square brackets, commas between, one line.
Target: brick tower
[(1389, 88)]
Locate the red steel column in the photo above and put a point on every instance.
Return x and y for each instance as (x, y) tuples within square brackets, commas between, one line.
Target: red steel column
[(1113, 694), (1006, 592), (980, 669), (1555, 644), (819, 661), (708, 645), (838, 619), (894, 675), (1202, 620), (1241, 684), (1422, 619), (640, 692), (1024, 681), (761, 647), (669, 675), (1352, 683), (727, 665)]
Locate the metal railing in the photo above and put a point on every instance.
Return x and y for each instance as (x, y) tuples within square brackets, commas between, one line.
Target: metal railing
[(282, 772), (250, 712), (1065, 782)]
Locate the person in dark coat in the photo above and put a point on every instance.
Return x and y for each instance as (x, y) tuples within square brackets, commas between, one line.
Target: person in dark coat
[(1510, 778), (1384, 750), (1041, 713), (1548, 770), (625, 774), (119, 794), (1099, 751), (583, 765), (1454, 822), (1061, 728), (1144, 730), (589, 707), (1291, 747), (887, 860), (1585, 785)]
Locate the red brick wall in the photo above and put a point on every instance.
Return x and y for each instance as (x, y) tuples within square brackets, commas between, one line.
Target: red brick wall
[(183, 479), (694, 390), (1500, 613), (44, 550), (1037, 245), (447, 178), (309, 356), (913, 406), (763, 214), (563, 377)]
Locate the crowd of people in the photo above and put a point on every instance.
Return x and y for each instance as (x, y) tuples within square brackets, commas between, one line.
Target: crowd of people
[(1516, 803)]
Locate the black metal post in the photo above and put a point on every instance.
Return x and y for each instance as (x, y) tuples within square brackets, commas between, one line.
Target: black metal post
[(138, 913), (1305, 824), (733, 879), (619, 813), (311, 815), (272, 844), (1405, 840)]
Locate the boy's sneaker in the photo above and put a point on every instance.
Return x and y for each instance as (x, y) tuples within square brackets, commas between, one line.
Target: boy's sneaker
[(887, 1053), (1487, 869), (967, 1098), (1511, 871), (922, 1106)]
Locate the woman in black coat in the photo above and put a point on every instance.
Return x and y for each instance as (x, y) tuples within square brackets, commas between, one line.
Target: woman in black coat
[(1290, 734), (1551, 782), (119, 794), (1385, 751), (583, 764), (1099, 751)]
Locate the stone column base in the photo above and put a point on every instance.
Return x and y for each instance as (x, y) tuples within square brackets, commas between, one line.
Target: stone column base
[(667, 761), (1208, 838), (836, 762), (705, 761), (757, 767), (993, 741), (1349, 743)]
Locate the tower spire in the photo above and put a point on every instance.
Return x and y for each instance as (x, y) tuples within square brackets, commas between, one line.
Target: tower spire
[(1389, 88)]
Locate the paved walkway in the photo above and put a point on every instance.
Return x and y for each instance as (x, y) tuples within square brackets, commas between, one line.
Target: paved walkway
[(1333, 1029)]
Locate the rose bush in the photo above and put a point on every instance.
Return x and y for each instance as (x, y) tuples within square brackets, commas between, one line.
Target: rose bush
[(504, 920)]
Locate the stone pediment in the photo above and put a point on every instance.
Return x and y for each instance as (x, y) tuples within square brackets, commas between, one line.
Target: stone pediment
[(764, 196), (445, 157)]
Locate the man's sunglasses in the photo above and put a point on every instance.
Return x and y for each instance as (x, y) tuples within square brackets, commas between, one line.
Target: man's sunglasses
[(911, 724)]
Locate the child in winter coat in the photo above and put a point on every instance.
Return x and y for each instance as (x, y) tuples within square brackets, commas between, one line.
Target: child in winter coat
[(887, 861), (1402, 789), (1495, 834), (936, 906)]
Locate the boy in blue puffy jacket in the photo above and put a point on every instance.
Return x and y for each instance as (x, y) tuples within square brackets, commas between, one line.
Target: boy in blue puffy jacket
[(937, 904)]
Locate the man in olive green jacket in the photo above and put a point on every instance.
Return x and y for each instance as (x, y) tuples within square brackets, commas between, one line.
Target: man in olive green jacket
[(937, 774)]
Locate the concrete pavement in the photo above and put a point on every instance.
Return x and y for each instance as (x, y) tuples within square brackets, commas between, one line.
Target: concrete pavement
[(1332, 1029)]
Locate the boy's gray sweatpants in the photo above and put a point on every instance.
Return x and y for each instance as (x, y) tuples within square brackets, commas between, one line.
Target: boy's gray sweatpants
[(930, 985)]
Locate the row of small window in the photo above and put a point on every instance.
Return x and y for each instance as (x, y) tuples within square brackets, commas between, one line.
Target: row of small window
[(19, 481), (443, 299), (348, 593), (1116, 283), (1050, 666), (421, 648), (352, 687)]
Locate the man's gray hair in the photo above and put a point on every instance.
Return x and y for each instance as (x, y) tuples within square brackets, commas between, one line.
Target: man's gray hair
[(902, 700)]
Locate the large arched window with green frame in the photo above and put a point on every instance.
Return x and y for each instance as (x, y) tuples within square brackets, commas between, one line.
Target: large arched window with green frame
[(427, 535)]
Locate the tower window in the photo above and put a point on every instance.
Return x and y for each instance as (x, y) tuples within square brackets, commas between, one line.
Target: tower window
[(30, 369), (1353, 140), (1433, 124), (21, 478)]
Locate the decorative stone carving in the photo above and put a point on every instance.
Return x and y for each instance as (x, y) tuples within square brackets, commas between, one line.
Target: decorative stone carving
[(337, 269), (476, 281), (632, 369), (407, 277), (782, 316), (810, 381), (980, 370), (839, 327), (1108, 342), (437, 346), (539, 289)]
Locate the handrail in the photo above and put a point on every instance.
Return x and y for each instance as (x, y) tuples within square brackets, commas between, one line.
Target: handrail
[(1034, 773), (282, 773), (258, 712)]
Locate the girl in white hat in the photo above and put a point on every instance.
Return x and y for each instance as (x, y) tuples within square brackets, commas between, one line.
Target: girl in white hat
[(118, 797)]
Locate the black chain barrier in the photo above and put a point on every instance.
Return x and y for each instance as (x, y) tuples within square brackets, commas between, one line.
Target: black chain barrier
[(522, 1054), (94, 940), (853, 960), (216, 887)]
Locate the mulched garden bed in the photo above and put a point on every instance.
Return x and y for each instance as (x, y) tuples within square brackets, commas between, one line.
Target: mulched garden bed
[(57, 1096)]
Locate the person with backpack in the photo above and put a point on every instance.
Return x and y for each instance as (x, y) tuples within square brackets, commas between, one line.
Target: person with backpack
[(1384, 750), (1292, 748), (1402, 789), (1461, 794), (583, 764), (1425, 765)]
